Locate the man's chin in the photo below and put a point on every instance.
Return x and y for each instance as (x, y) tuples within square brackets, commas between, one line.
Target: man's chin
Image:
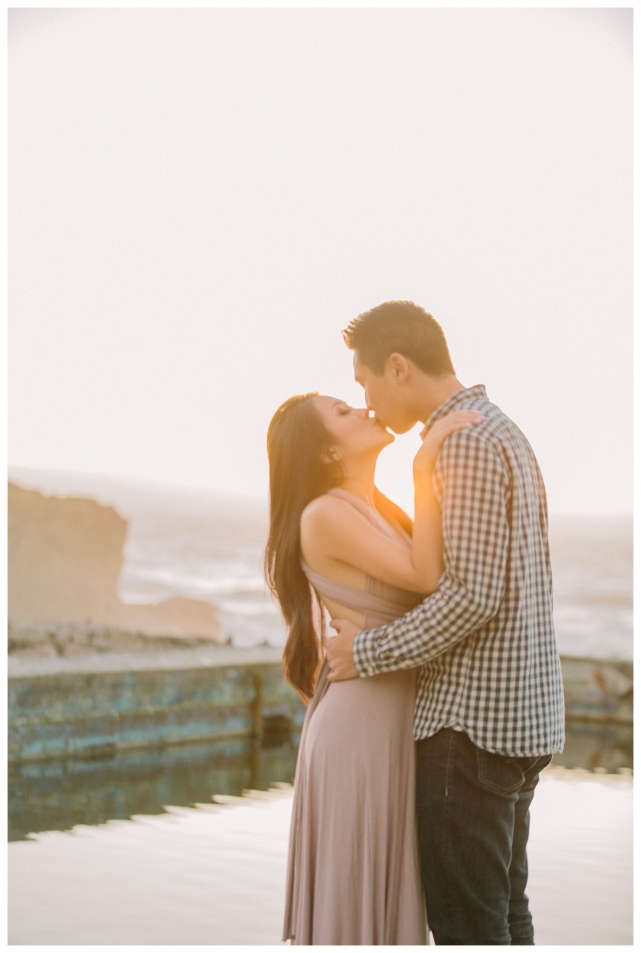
[(393, 426), (399, 428)]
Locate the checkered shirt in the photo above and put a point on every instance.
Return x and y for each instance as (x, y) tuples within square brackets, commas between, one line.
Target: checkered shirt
[(484, 642)]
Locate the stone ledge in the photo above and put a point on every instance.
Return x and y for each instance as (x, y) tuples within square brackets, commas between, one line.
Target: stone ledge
[(202, 657)]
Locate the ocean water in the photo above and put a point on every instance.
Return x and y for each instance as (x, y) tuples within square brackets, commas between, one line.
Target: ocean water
[(203, 546)]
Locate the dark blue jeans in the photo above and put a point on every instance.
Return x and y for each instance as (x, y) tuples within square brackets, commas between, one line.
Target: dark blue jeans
[(473, 823)]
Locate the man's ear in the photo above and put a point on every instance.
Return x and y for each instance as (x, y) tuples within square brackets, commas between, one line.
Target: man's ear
[(398, 366)]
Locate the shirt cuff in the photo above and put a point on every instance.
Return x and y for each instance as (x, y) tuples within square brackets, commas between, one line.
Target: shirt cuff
[(364, 652)]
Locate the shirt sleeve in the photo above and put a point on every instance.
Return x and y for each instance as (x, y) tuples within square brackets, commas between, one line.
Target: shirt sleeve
[(473, 488)]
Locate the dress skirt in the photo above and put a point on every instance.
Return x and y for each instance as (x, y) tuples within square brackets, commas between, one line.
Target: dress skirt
[(354, 875)]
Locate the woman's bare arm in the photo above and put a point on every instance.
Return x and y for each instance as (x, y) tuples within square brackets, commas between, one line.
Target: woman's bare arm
[(333, 531)]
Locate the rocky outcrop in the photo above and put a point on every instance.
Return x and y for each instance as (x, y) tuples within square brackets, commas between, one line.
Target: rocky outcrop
[(65, 558), (51, 640)]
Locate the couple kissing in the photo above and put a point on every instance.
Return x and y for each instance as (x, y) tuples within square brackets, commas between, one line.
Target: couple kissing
[(437, 702)]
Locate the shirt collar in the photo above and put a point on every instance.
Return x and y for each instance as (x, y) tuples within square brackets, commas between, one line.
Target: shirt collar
[(477, 392)]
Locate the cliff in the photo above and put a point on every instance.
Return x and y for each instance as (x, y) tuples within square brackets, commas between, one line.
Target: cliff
[(65, 557)]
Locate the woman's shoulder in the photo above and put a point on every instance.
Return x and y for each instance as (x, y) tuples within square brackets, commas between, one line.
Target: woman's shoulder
[(325, 505), (326, 511)]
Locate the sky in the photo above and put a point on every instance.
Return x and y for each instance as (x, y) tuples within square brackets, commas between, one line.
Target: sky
[(200, 200)]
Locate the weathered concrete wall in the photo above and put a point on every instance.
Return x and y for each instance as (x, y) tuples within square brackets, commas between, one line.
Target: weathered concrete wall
[(116, 703), (598, 690), (79, 707)]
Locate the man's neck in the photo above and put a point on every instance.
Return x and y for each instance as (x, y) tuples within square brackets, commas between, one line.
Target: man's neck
[(434, 392)]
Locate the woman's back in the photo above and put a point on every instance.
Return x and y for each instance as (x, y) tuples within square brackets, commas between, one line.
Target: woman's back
[(353, 873), (379, 602)]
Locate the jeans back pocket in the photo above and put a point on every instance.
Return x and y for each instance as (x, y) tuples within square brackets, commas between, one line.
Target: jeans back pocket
[(499, 773)]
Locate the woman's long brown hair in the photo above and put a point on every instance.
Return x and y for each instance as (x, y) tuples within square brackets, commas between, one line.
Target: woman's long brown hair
[(301, 468)]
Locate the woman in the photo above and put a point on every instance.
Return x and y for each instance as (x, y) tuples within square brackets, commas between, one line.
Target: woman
[(336, 543)]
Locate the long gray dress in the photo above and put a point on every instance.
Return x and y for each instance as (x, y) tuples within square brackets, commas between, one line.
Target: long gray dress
[(353, 874)]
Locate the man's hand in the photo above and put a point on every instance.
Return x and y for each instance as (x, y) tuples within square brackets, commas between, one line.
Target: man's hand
[(339, 651)]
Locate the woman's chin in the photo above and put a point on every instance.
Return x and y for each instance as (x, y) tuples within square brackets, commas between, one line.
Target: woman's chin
[(385, 436)]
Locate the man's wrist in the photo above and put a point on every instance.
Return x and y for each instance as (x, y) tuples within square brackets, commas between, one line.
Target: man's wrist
[(364, 653)]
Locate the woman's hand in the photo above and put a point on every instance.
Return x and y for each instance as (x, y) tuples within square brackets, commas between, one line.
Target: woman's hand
[(425, 459)]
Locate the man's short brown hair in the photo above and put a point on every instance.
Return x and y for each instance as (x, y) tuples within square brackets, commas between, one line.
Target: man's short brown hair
[(400, 327)]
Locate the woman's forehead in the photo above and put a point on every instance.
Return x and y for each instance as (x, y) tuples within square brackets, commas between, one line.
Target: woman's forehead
[(325, 403)]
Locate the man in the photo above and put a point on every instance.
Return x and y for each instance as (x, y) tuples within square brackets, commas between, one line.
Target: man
[(489, 707)]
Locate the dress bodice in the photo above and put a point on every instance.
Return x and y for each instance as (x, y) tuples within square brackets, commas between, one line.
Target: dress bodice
[(380, 602)]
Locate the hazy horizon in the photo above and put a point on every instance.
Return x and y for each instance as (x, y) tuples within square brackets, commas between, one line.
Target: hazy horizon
[(201, 199), (208, 546), (53, 482)]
